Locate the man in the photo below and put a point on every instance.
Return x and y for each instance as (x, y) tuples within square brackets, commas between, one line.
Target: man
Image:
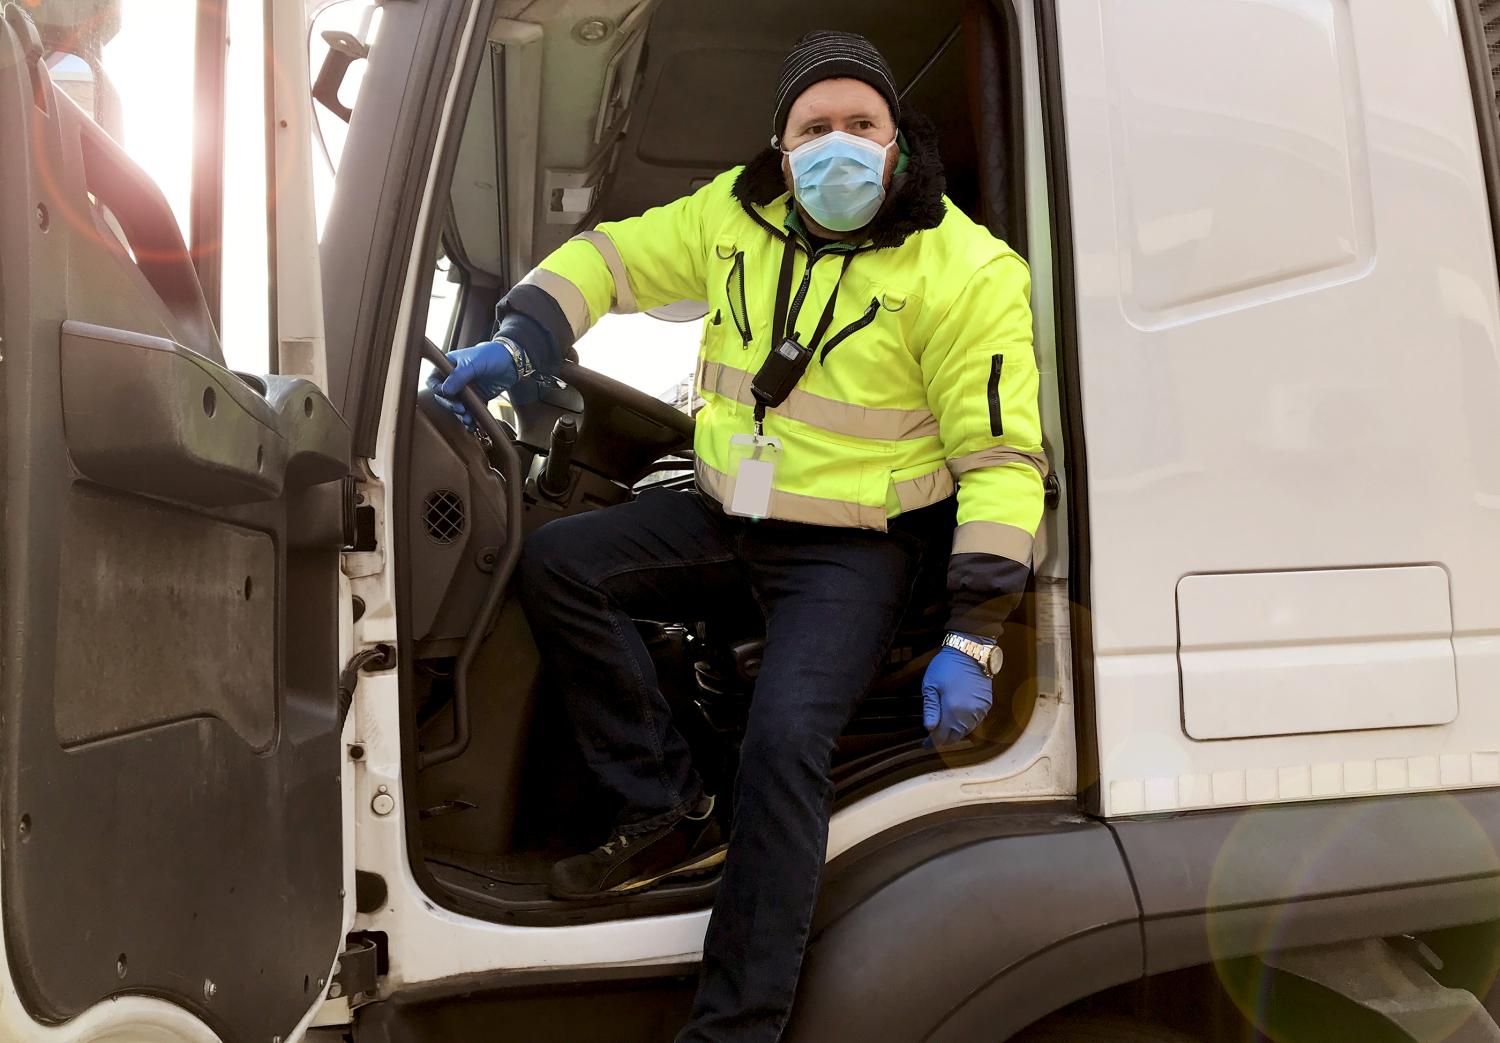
[(868, 348)]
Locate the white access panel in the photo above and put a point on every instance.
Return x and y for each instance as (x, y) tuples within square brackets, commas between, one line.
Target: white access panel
[(1289, 353), (1287, 653)]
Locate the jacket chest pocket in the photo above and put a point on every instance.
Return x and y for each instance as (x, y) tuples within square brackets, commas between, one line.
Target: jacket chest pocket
[(871, 311), (736, 300), (892, 309)]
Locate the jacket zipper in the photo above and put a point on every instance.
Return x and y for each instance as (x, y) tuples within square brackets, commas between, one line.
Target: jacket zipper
[(997, 428), (796, 308), (734, 289), (854, 327)]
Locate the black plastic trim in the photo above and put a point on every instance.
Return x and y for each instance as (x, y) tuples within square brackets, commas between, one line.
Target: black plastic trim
[(1486, 112), (1019, 235), (1081, 623), (1216, 885), (198, 433)]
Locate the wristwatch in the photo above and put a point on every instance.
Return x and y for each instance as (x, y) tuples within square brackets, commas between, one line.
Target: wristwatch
[(524, 368), (986, 653)]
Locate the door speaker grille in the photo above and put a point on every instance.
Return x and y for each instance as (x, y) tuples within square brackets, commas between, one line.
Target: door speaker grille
[(443, 512)]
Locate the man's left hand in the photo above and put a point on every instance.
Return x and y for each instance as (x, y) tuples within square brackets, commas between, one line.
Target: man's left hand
[(956, 695)]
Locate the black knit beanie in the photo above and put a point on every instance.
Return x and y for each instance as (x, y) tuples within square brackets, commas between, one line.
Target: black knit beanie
[(826, 55)]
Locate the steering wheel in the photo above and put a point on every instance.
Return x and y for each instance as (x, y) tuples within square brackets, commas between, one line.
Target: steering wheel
[(597, 389)]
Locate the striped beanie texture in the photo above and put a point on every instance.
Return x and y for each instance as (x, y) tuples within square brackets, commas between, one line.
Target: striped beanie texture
[(826, 55)]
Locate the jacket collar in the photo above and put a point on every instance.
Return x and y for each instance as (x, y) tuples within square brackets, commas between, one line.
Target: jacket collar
[(913, 202)]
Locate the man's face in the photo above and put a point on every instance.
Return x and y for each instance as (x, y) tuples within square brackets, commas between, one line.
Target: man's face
[(851, 106)]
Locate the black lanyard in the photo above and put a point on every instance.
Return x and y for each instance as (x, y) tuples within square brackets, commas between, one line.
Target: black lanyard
[(783, 368), (788, 310)]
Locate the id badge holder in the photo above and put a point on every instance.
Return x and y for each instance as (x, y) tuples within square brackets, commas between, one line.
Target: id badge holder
[(752, 468)]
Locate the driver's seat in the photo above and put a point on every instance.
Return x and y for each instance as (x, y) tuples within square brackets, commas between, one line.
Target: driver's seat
[(730, 653)]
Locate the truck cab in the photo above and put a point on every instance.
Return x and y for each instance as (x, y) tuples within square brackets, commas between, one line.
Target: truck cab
[(280, 759)]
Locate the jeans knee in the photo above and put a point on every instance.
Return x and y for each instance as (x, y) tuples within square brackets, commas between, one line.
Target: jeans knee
[(779, 754), (545, 560)]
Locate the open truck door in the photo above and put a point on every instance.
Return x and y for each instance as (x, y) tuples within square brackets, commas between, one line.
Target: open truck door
[(172, 803)]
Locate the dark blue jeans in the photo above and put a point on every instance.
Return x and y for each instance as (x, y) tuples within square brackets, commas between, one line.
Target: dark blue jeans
[(831, 600)]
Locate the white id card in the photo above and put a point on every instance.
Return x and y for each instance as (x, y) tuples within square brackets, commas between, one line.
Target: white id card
[(752, 468)]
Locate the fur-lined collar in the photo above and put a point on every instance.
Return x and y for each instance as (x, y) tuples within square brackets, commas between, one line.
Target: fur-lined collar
[(914, 201)]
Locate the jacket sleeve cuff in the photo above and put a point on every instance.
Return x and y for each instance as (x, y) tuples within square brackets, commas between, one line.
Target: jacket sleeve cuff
[(985, 588), (531, 317)]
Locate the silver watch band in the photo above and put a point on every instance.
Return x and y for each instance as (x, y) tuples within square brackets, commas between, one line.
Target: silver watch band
[(524, 368), (981, 652)]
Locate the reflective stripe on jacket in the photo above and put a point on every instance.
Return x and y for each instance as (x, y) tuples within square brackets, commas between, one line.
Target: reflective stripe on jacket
[(924, 380)]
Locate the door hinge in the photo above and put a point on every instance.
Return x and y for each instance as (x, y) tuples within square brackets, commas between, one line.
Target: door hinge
[(359, 966)]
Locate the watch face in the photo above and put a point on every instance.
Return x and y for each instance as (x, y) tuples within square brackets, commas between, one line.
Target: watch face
[(996, 658)]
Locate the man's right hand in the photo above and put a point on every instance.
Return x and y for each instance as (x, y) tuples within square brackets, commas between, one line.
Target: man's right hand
[(489, 368)]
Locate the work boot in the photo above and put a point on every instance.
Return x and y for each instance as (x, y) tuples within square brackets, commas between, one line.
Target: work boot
[(690, 846)]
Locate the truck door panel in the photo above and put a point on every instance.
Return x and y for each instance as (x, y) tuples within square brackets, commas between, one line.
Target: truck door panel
[(171, 797), (1287, 329)]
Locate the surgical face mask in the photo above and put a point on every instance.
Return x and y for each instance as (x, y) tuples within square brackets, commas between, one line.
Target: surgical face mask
[(839, 179)]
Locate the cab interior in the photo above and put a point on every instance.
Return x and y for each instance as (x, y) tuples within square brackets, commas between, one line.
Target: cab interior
[(589, 111)]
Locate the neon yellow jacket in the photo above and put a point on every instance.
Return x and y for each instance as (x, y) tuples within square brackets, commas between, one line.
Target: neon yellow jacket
[(924, 379)]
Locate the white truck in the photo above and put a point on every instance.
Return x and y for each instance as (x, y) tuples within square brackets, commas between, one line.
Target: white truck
[(278, 758)]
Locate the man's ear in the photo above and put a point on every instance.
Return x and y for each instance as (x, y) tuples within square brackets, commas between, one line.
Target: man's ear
[(786, 172)]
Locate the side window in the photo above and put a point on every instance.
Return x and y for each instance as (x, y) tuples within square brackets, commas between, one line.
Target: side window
[(245, 329), (442, 309), (650, 354), (180, 85), (79, 80), (150, 62)]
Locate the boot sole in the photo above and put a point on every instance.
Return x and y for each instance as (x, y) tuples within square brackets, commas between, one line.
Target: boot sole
[(698, 867)]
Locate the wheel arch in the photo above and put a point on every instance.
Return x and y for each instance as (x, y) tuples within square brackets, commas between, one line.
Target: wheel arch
[(979, 921), (963, 919)]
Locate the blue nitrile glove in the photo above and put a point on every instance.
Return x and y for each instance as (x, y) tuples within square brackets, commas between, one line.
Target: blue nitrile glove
[(488, 368), (956, 695)]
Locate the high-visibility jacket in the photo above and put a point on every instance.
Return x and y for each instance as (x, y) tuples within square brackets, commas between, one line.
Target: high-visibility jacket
[(923, 380)]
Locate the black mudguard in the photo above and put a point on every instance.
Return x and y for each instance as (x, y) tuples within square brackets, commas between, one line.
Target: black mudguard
[(968, 925)]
